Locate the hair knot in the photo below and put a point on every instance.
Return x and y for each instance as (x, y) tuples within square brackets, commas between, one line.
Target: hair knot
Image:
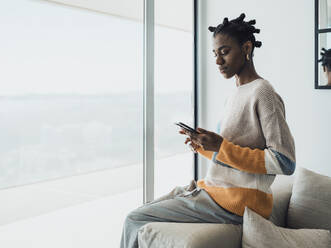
[(211, 29), (241, 17), (256, 30), (225, 21), (258, 43)]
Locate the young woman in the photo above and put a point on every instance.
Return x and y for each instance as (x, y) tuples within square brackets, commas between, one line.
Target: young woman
[(326, 64), (253, 144)]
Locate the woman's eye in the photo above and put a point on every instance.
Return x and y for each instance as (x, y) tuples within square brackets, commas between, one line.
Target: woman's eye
[(224, 52)]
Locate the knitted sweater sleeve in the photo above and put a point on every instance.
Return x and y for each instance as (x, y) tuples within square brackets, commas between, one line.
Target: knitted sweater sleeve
[(205, 153), (278, 157)]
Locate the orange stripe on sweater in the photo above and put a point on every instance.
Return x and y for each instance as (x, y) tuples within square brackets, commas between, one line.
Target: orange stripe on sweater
[(206, 154), (235, 199), (242, 158)]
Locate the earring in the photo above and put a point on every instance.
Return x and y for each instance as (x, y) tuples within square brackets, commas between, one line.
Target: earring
[(247, 56)]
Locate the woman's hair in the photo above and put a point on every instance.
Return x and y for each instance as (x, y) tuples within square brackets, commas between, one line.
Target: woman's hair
[(238, 29), (326, 58)]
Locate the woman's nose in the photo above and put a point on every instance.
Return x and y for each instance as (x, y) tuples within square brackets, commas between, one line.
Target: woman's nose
[(219, 60)]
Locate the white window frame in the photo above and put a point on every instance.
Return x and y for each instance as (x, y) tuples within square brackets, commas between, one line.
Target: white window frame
[(148, 96)]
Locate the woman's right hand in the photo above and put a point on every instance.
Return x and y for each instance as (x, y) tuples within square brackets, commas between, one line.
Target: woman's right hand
[(194, 146)]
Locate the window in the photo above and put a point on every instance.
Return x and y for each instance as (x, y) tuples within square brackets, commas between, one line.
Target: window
[(67, 104), (71, 97)]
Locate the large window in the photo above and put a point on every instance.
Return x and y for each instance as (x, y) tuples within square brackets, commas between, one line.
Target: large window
[(71, 84), (71, 100)]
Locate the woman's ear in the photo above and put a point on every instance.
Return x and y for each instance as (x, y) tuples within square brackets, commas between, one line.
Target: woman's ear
[(247, 47)]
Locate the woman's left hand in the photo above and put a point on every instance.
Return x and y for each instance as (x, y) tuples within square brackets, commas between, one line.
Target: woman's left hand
[(209, 141)]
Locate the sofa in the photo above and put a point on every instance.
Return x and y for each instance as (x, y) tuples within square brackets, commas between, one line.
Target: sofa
[(294, 207)]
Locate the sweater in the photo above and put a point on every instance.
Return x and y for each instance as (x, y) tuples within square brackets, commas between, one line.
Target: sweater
[(257, 145)]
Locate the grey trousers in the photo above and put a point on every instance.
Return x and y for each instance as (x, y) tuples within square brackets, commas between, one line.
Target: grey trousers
[(188, 204)]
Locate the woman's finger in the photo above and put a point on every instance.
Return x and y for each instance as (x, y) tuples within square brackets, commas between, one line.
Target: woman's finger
[(185, 132), (187, 140), (193, 143), (192, 148)]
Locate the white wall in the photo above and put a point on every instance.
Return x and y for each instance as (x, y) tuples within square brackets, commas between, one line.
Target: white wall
[(286, 59)]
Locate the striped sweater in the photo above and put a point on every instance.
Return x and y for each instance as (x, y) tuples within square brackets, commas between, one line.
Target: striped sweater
[(257, 145)]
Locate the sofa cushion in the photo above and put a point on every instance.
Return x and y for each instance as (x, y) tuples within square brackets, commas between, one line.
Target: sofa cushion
[(310, 202), (281, 192), (260, 232), (189, 235)]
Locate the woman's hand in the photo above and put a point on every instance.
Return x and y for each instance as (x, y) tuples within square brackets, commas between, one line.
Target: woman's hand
[(194, 146), (209, 141)]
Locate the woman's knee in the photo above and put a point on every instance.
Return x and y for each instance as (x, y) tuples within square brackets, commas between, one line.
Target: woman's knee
[(135, 215)]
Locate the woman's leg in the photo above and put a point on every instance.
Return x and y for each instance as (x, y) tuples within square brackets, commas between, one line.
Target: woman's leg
[(180, 205)]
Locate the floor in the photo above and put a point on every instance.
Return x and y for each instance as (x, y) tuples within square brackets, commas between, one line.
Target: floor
[(82, 211), (93, 224)]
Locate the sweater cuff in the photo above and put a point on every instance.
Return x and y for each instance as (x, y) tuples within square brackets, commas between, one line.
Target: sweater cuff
[(206, 154)]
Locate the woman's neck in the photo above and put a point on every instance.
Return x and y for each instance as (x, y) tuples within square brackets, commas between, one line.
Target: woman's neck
[(247, 75), (329, 78)]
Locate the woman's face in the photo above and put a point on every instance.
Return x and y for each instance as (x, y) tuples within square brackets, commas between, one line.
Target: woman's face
[(230, 57)]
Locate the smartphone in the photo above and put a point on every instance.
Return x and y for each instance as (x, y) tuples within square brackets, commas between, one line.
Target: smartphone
[(186, 127)]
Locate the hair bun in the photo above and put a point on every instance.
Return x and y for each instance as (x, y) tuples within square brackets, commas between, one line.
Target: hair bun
[(211, 29), (258, 44), (239, 19), (225, 21), (242, 17), (256, 30)]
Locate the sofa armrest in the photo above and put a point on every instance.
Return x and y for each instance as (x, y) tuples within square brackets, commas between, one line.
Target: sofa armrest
[(189, 235)]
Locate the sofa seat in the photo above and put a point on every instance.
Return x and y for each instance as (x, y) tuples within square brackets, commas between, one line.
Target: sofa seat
[(196, 235), (189, 235)]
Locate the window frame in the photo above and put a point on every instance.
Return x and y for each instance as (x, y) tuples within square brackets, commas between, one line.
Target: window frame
[(148, 96)]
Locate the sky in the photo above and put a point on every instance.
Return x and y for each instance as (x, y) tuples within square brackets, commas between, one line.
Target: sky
[(47, 48)]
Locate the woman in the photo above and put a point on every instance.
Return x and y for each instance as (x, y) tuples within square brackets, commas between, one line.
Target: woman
[(253, 143), (326, 64)]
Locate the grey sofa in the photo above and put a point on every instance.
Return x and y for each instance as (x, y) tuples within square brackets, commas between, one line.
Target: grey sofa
[(188, 235)]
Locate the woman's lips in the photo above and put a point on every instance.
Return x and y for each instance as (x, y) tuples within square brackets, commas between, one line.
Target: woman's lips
[(222, 70)]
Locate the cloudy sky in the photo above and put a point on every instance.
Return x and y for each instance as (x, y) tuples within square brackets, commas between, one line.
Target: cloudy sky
[(48, 48)]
